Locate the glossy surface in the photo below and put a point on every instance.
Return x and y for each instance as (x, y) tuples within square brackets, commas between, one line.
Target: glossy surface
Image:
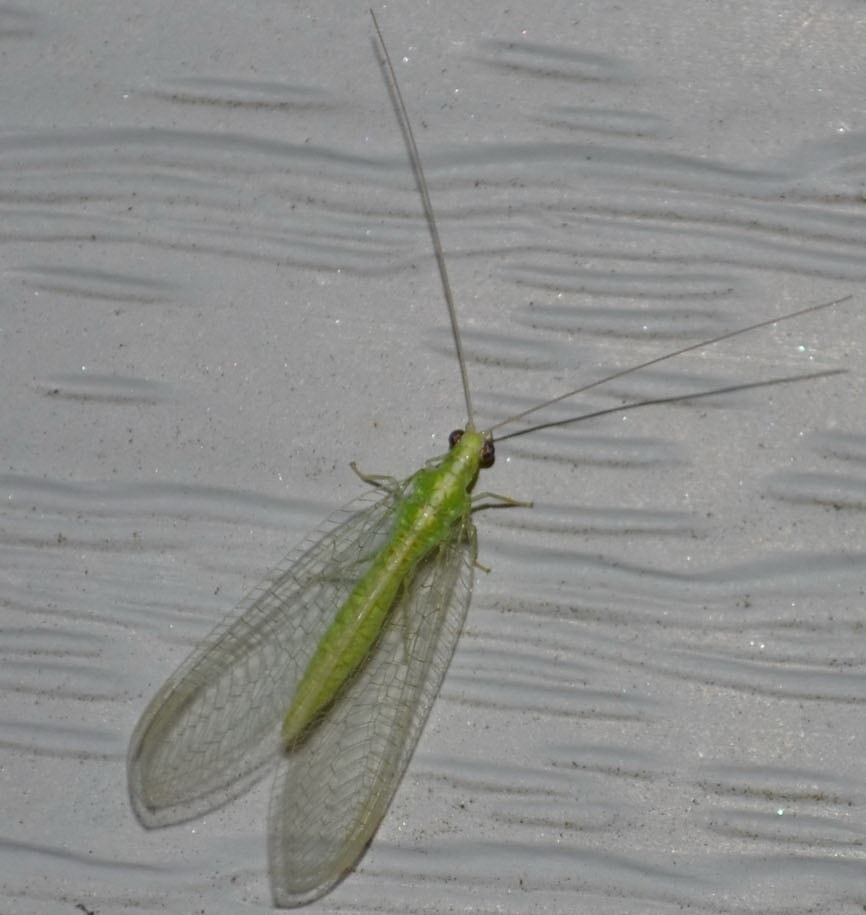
[(657, 702)]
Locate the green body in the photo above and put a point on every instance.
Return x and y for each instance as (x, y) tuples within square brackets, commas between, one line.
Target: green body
[(439, 498)]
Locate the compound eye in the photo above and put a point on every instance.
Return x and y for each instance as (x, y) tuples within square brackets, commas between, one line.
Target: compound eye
[(454, 437), (488, 453)]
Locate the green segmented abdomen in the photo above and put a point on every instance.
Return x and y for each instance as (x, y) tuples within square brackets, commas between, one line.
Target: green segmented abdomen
[(438, 499)]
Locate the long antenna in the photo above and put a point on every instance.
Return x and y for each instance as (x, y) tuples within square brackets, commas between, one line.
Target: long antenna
[(415, 157), (673, 398), (634, 368)]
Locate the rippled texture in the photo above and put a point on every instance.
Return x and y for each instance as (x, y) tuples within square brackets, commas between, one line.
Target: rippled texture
[(218, 289)]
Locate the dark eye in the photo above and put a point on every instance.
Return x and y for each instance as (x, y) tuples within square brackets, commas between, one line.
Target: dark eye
[(488, 453), (455, 437)]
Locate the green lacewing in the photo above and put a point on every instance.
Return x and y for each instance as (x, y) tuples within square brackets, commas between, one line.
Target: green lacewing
[(326, 672)]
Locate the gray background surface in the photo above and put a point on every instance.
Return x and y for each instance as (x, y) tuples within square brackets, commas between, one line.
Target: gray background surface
[(217, 289)]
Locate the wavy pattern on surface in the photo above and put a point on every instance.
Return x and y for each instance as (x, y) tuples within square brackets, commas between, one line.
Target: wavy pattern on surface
[(217, 289)]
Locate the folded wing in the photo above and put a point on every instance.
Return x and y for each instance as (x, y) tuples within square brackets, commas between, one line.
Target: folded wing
[(332, 790), (213, 729)]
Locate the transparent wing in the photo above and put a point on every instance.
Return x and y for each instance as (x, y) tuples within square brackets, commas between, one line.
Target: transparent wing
[(212, 730), (332, 790)]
